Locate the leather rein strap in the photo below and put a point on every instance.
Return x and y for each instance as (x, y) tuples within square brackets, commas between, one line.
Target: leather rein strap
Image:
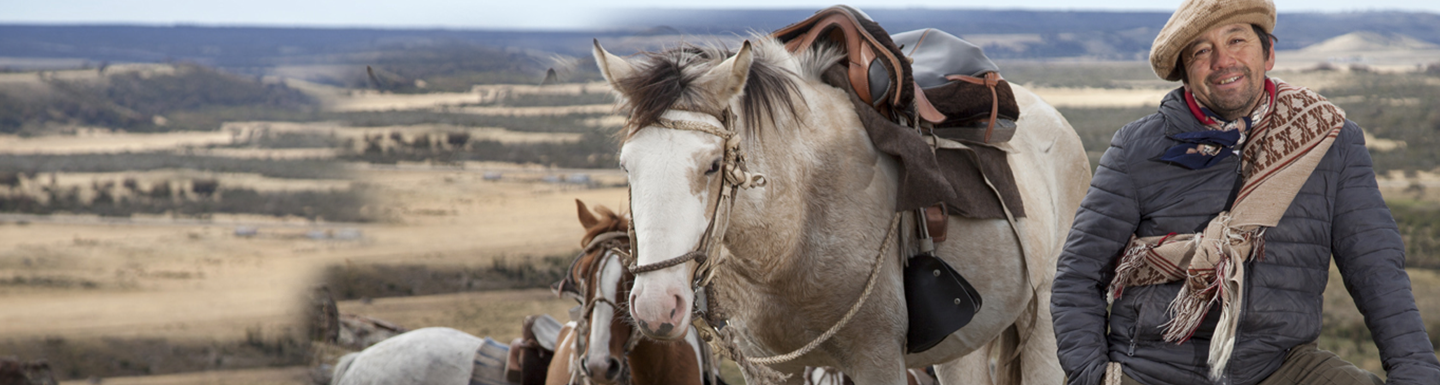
[(990, 80)]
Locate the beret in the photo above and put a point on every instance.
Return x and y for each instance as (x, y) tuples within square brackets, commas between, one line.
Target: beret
[(1195, 17)]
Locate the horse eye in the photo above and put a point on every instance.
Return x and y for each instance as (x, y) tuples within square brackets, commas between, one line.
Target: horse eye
[(714, 166)]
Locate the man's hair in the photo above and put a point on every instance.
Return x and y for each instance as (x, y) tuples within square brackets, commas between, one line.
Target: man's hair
[(1266, 40)]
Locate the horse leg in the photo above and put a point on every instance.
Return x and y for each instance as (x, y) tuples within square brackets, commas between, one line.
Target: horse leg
[(1037, 355), (991, 364), (879, 372)]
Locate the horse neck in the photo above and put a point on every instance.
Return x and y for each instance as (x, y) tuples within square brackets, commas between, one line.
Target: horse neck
[(824, 175), (654, 362)]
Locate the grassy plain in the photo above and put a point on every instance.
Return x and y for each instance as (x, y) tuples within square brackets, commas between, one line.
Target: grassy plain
[(229, 287)]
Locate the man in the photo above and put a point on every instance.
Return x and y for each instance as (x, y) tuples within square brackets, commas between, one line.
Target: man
[(1212, 223)]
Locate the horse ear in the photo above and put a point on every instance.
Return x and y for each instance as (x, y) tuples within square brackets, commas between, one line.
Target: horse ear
[(728, 78), (612, 67), (586, 218)]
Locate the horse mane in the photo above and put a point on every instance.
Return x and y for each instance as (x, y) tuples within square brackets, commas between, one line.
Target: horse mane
[(664, 79), (608, 221)]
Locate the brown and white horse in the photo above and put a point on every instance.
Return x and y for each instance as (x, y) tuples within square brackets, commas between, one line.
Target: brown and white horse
[(799, 250), (607, 349)]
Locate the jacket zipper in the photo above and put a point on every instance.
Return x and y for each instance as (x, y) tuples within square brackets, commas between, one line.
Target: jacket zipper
[(1134, 328)]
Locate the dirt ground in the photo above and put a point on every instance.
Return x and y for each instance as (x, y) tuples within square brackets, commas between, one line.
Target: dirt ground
[(201, 280), (89, 278), (265, 376)]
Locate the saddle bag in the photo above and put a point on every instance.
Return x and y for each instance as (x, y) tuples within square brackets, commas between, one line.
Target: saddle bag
[(963, 84), (490, 364), (939, 301), (530, 357)]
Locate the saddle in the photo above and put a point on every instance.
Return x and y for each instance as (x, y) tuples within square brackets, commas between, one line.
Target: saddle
[(944, 87), (928, 74), (962, 83), (530, 355), (877, 71)]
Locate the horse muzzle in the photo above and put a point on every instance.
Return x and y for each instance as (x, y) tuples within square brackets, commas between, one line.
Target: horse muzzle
[(604, 370), (660, 311)]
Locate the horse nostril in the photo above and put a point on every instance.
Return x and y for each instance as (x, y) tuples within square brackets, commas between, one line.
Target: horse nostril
[(679, 307), (614, 369)]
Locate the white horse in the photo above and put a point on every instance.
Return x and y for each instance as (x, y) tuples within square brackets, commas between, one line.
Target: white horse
[(802, 247), (428, 356)]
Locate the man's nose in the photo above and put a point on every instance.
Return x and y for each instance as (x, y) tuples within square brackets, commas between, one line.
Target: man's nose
[(1222, 59)]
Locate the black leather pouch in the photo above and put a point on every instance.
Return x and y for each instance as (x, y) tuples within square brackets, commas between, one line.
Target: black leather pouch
[(939, 302)]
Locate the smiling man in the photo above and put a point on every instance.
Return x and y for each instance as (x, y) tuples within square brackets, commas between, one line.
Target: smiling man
[(1201, 253)]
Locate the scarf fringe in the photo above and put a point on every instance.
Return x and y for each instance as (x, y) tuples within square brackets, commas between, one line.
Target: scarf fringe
[(1130, 263)]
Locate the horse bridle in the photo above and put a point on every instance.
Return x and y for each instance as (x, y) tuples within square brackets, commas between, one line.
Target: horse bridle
[(607, 243), (735, 177)]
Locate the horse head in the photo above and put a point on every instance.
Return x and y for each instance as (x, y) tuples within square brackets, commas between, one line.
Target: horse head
[(601, 282), (675, 175)]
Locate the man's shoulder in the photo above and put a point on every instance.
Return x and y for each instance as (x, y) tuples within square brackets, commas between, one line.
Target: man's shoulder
[(1149, 127)]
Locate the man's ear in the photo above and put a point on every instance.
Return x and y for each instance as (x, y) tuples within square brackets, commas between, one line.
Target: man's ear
[(1270, 56)]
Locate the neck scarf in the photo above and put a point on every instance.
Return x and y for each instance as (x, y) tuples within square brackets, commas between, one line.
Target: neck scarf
[(1202, 149), (1289, 141)]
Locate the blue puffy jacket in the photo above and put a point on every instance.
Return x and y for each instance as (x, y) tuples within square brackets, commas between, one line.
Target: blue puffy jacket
[(1339, 212)]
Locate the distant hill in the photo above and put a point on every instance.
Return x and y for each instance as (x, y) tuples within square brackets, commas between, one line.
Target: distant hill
[(1364, 41), (1006, 34), (1118, 32)]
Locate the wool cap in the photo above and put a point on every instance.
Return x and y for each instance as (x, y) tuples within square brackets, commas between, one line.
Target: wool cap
[(1196, 17)]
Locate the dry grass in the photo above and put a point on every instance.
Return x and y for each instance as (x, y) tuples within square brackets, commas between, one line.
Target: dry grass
[(265, 376), (190, 280), (1101, 97), (497, 315), (108, 142), (1346, 334)]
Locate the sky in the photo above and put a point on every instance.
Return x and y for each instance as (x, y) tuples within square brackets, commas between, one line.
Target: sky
[(527, 14)]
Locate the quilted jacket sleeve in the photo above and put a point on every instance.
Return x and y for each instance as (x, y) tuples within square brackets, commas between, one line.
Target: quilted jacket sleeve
[(1103, 224), (1371, 258)]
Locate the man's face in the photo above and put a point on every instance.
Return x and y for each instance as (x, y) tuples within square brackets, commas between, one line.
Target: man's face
[(1226, 69)]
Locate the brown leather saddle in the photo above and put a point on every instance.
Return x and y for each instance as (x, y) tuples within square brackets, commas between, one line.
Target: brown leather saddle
[(926, 74), (877, 70), (878, 73)]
